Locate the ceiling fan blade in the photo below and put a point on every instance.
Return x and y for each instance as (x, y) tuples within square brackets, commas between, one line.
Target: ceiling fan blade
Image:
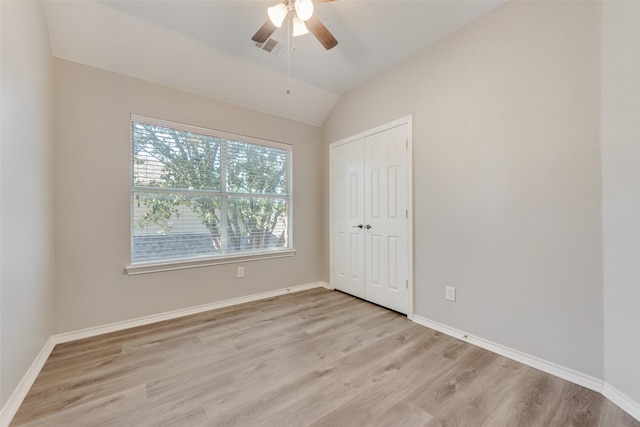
[(320, 31), (264, 32)]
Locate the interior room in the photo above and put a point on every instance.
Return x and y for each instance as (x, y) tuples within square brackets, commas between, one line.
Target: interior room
[(520, 207)]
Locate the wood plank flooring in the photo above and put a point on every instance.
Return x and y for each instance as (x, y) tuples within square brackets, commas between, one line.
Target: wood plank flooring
[(314, 358)]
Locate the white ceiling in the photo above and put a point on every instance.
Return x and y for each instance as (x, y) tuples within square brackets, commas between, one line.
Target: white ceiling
[(205, 47)]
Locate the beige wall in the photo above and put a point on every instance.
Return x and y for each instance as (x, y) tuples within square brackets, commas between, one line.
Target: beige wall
[(26, 215), (506, 164), (92, 201), (621, 194)]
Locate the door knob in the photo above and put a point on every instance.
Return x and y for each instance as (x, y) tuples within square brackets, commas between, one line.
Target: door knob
[(368, 227), (358, 226)]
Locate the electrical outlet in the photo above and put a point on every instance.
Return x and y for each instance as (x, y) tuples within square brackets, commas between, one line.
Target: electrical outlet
[(450, 293), (240, 272)]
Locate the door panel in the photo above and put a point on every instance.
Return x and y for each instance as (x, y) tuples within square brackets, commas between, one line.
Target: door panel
[(347, 192), (386, 240)]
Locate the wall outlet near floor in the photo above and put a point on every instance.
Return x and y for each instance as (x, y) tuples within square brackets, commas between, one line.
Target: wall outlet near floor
[(450, 293), (240, 272)]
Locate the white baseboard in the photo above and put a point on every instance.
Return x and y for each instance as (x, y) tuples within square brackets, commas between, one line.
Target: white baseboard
[(532, 361), (147, 320), (587, 381), (15, 400), (622, 400)]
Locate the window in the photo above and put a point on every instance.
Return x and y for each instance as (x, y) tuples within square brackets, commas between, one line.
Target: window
[(202, 194)]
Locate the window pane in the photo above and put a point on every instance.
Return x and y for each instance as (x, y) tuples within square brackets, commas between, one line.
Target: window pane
[(256, 224), (257, 169), (198, 193), (170, 158), (174, 226)]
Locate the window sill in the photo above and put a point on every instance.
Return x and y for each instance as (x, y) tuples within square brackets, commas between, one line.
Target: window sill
[(133, 270)]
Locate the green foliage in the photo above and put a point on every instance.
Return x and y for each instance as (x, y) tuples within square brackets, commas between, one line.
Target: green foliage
[(255, 169), (160, 210), (252, 222)]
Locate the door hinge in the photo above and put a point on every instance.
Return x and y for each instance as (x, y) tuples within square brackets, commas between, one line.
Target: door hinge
[(406, 213), (406, 284), (406, 143)]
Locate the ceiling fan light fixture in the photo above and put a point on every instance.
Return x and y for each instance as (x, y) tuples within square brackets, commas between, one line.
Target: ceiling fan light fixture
[(277, 14), (299, 29), (304, 9)]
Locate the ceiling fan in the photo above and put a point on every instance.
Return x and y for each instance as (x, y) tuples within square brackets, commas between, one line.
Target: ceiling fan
[(303, 21)]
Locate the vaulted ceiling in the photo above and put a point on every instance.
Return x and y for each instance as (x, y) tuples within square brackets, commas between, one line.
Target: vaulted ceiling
[(205, 47)]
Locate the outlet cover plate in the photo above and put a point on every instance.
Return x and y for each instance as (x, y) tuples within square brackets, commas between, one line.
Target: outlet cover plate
[(450, 293)]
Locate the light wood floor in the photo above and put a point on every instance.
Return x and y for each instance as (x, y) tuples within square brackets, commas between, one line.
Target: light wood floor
[(314, 358)]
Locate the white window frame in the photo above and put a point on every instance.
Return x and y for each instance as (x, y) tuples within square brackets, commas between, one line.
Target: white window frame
[(152, 267)]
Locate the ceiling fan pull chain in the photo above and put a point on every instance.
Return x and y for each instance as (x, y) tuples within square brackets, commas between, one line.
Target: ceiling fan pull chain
[(289, 37)]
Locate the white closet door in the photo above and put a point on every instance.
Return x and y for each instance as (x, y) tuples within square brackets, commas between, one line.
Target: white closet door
[(371, 234), (386, 216), (347, 223)]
